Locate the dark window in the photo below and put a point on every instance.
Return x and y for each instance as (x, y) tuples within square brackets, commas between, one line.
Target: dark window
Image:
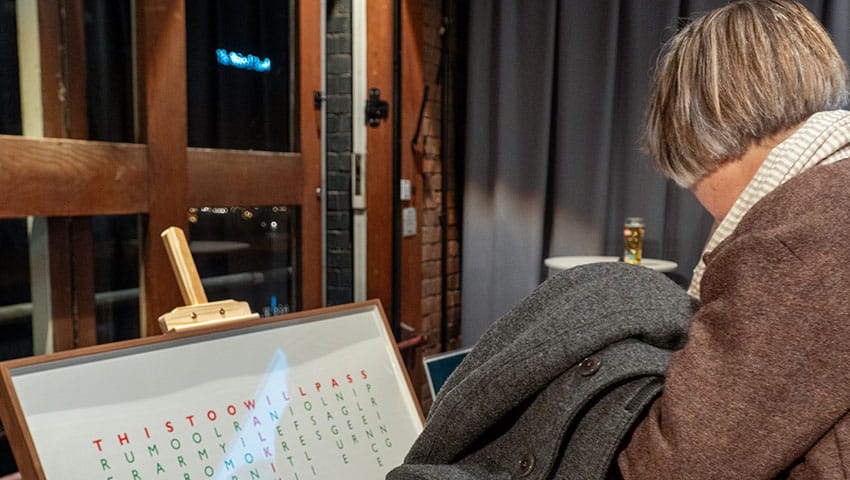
[(247, 254), (10, 101), (109, 70), (15, 306), (116, 276), (240, 74)]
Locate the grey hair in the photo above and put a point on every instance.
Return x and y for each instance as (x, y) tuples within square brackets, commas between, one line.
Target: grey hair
[(735, 76)]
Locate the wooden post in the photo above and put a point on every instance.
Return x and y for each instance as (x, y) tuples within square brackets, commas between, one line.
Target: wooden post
[(161, 53), (53, 62), (311, 209)]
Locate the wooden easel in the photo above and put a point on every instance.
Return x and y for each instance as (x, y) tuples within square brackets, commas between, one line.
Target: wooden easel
[(198, 311)]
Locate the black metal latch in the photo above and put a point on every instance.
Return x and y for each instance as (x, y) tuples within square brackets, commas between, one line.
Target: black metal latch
[(376, 109)]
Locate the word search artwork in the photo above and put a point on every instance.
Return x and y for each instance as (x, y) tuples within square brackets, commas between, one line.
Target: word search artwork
[(271, 435), (302, 416)]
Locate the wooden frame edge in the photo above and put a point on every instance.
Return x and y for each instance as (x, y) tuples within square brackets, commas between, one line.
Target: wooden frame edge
[(20, 440), (400, 361)]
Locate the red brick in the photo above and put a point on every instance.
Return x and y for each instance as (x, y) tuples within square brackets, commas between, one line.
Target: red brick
[(431, 322), (430, 234), (453, 265), (451, 216), (430, 217), (431, 166), (431, 269), (453, 281), (432, 199), (453, 298), (450, 198), (453, 248), (431, 287), (435, 182), (431, 306), (431, 252), (452, 232)]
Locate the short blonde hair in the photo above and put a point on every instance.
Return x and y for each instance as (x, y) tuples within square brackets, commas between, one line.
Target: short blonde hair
[(735, 76)]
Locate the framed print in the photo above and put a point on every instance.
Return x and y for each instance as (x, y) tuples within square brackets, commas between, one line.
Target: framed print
[(313, 395)]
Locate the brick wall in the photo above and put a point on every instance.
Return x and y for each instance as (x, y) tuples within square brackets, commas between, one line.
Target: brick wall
[(433, 221), (338, 180)]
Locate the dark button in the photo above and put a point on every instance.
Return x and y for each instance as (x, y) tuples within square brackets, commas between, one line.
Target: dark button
[(589, 366), (526, 464)]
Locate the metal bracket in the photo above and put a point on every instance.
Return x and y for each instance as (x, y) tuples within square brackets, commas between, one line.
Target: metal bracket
[(318, 98), (376, 109)]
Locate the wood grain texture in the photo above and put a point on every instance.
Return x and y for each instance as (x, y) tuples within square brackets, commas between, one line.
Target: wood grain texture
[(60, 177), (52, 79), (379, 170), (72, 282), (20, 440), (184, 267), (310, 80), (78, 253), (161, 27), (61, 282), (223, 178), (85, 315), (413, 87), (75, 109)]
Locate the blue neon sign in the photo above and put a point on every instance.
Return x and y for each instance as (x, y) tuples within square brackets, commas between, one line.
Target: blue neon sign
[(247, 62)]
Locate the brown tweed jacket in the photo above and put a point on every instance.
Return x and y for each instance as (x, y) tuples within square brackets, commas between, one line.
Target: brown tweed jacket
[(762, 388)]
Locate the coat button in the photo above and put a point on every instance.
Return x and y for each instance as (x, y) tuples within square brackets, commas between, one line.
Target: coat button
[(526, 464), (589, 366)]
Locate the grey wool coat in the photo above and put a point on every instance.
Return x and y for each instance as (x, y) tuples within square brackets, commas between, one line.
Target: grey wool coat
[(553, 388)]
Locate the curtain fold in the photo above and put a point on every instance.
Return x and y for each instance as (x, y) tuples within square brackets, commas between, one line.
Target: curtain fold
[(556, 95)]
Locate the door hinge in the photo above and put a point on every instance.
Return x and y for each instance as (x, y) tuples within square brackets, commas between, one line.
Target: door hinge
[(318, 98), (376, 109)]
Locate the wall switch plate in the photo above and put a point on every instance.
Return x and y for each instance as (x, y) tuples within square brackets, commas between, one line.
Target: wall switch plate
[(404, 190), (408, 222)]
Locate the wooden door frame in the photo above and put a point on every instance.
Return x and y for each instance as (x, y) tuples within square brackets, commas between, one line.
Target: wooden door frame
[(56, 177), (381, 184)]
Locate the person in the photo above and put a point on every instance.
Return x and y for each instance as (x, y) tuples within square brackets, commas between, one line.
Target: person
[(745, 111)]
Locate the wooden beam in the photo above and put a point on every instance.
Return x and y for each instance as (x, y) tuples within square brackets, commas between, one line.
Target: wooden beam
[(413, 88), (52, 81), (379, 172), (74, 71), (78, 256), (224, 178), (61, 284), (82, 294), (161, 49), (310, 80), (60, 177)]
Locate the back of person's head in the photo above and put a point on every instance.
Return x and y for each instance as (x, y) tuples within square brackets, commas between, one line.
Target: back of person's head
[(735, 76)]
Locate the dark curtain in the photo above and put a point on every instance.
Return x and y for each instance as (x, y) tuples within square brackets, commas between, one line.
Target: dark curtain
[(556, 93)]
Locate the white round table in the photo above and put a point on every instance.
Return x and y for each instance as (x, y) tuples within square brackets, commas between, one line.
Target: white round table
[(563, 263)]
